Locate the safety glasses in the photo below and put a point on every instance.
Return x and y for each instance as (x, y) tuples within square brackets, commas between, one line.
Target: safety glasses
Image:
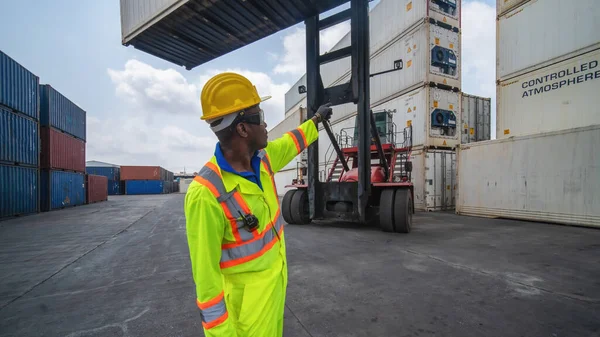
[(255, 118)]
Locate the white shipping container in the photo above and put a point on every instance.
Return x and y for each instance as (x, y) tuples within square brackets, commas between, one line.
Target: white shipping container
[(542, 32), (434, 179), (184, 184), (475, 117), (293, 97), (562, 96), (504, 5), (551, 177), (137, 15)]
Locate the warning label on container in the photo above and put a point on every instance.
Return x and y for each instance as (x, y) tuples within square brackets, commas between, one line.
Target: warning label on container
[(573, 75)]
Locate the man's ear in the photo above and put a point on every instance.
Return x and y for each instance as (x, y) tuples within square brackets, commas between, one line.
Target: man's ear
[(242, 130)]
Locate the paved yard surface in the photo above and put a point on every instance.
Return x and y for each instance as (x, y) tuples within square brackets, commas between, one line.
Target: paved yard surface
[(121, 268)]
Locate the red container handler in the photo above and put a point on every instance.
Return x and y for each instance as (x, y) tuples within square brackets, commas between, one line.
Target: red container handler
[(61, 151), (96, 188), (142, 173)]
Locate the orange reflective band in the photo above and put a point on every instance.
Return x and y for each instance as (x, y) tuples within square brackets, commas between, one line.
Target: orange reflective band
[(258, 254), (214, 168), (208, 184), (295, 141), (232, 221), (216, 321), (210, 303), (257, 237)]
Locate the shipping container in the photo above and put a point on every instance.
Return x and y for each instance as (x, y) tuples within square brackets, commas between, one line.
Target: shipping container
[(114, 187), (61, 151), (558, 97), (475, 118), (60, 189), (544, 32), (59, 112), (18, 87), (549, 177), (19, 139), (112, 173), (134, 187), (19, 187), (502, 6), (96, 188), (142, 173), (434, 179), (184, 184)]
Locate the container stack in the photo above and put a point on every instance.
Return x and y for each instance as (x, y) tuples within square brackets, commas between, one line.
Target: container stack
[(96, 188), (63, 134), (19, 139), (544, 166), (112, 174), (475, 118), (146, 180)]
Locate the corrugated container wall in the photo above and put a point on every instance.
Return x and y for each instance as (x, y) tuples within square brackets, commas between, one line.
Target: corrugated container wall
[(18, 87), (543, 32), (59, 112), (19, 139), (475, 118), (551, 177), (562, 96), (114, 187), (112, 173), (61, 189), (142, 173), (96, 188), (19, 190), (136, 13), (61, 151), (134, 187), (434, 179), (504, 5)]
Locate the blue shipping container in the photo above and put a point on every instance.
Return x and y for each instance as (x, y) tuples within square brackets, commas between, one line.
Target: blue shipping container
[(59, 112), (133, 187), (112, 173), (18, 87), (61, 189), (18, 190), (19, 139), (114, 187)]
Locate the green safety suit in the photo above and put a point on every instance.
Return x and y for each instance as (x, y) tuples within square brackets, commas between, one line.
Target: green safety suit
[(241, 275)]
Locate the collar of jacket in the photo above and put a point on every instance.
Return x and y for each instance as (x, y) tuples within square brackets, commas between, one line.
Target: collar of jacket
[(243, 185)]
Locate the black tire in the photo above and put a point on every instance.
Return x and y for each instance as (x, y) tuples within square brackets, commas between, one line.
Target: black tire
[(286, 206), (299, 206), (403, 211), (386, 210)]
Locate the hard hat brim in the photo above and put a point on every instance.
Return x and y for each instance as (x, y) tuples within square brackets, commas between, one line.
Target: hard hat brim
[(262, 99)]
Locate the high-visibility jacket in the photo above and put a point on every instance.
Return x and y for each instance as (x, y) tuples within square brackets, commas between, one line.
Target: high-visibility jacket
[(241, 275)]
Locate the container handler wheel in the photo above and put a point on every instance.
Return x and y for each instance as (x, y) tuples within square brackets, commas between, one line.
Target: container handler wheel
[(403, 211), (286, 206), (386, 210), (299, 207)]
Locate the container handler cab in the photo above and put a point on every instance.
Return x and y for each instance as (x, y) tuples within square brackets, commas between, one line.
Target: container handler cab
[(193, 32)]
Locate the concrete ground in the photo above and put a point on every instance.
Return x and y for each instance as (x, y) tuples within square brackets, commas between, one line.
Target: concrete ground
[(121, 268)]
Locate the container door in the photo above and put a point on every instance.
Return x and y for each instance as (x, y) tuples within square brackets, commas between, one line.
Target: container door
[(440, 180)]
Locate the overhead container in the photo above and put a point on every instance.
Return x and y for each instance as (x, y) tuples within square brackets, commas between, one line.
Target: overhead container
[(59, 112), (293, 96), (60, 189), (114, 187), (548, 177), (18, 87), (475, 118), (502, 6), (434, 179), (19, 139), (112, 173), (543, 32), (134, 187), (561, 96), (142, 173), (61, 151), (19, 187), (96, 188)]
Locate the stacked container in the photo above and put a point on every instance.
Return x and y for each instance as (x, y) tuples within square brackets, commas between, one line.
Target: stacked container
[(112, 174), (19, 139), (475, 121), (146, 180), (63, 132), (96, 188)]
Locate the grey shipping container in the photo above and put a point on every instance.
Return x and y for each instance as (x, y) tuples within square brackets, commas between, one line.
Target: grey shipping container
[(59, 112), (19, 190), (18, 87), (19, 139), (475, 118)]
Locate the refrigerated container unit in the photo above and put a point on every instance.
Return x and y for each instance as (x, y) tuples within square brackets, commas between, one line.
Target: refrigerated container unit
[(61, 151), (18, 88), (96, 188), (540, 33), (558, 97), (59, 112), (547, 177), (19, 187), (61, 189), (137, 187), (143, 173), (19, 139), (475, 121)]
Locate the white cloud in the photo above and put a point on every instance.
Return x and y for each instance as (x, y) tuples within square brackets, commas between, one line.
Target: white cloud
[(293, 60)]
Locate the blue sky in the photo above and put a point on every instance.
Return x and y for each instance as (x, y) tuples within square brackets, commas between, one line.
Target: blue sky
[(142, 110)]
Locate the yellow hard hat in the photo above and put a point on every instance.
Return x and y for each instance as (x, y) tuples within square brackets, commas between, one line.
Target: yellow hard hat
[(226, 93)]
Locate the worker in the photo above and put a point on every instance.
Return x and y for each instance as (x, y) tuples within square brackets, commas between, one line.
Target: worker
[(233, 217)]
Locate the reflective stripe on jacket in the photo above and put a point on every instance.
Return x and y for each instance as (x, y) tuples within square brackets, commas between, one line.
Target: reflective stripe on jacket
[(225, 255)]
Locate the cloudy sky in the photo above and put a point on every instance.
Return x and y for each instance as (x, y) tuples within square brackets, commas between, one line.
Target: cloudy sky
[(145, 111)]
